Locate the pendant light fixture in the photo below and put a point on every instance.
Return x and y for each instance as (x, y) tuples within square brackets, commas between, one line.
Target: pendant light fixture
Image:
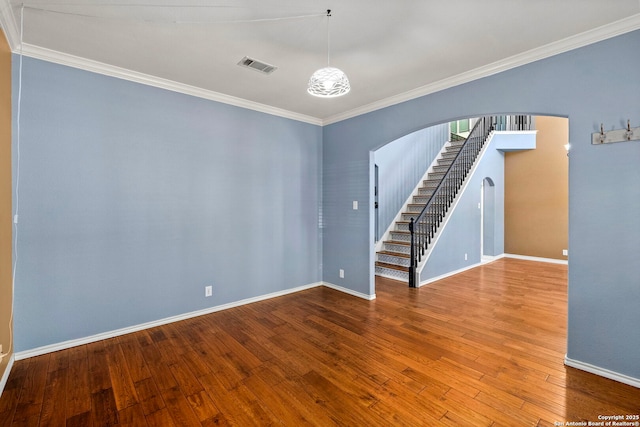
[(328, 82)]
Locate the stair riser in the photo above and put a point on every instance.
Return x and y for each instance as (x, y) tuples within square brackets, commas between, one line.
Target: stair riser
[(402, 226), (405, 226), (421, 199), (405, 249), (428, 221), (441, 171), (401, 237), (394, 274), (438, 201), (429, 184), (441, 168), (389, 259), (406, 216)]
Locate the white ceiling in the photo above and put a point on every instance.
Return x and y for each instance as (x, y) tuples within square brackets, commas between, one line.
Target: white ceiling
[(390, 50)]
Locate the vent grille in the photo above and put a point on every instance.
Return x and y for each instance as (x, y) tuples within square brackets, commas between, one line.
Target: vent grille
[(257, 65)]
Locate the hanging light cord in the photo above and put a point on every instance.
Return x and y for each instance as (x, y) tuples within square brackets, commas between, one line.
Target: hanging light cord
[(328, 37), (38, 8), (17, 199)]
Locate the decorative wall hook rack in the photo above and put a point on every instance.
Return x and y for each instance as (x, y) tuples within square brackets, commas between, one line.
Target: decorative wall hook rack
[(616, 135)]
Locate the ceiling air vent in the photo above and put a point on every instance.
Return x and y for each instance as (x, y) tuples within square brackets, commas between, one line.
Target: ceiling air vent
[(257, 65)]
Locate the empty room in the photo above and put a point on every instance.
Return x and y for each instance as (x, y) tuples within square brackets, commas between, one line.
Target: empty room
[(293, 213)]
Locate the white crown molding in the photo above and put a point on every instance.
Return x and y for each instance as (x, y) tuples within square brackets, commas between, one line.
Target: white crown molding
[(586, 38), (9, 25), (49, 55)]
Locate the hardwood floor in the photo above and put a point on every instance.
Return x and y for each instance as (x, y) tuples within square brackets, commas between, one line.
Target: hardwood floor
[(484, 347)]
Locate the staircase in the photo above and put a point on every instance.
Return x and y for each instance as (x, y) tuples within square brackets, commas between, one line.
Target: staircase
[(409, 245), (407, 248), (394, 259)]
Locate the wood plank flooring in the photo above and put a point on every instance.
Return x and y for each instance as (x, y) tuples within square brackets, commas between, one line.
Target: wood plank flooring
[(482, 348)]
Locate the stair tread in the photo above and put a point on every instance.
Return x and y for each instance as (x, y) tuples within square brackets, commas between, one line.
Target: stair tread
[(396, 254), (406, 221), (396, 242), (428, 219), (392, 266)]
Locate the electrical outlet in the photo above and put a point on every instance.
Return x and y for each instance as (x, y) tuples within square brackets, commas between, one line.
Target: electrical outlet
[(341, 273), (465, 257), (565, 252), (208, 291), (355, 205)]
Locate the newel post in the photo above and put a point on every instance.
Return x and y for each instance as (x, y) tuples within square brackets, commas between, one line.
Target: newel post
[(412, 261)]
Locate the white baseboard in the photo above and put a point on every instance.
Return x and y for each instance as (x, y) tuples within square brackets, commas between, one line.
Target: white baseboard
[(349, 291), (451, 273), (486, 259), (388, 276), (587, 367), (489, 259), (5, 376), (118, 332), (538, 259)]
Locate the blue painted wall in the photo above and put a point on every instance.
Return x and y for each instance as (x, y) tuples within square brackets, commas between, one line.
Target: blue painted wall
[(604, 184), (401, 165), (132, 199)]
